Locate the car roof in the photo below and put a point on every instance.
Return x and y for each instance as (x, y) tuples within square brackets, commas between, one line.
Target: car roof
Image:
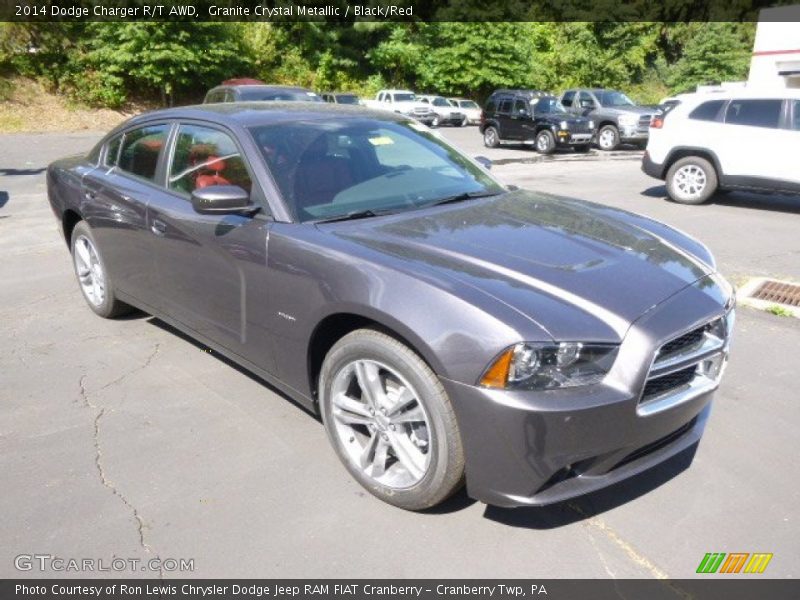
[(248, 114), (522, 92), (266, 86), (745, 92)]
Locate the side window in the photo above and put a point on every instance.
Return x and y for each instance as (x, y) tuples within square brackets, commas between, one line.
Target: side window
[(568, 99), (755, 113), (490, 107), (205, 157), (707, 111), (140, 151), (112, 151), (505, 106), (520, 107), (796, 115), (586, 101)]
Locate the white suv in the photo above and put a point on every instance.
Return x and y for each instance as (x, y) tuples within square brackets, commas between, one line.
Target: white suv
[(743, 139)]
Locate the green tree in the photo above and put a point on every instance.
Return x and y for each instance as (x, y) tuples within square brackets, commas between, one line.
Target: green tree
[(716, 52)]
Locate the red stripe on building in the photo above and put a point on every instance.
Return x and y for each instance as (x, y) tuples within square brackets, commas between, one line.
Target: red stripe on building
[(771, 52)]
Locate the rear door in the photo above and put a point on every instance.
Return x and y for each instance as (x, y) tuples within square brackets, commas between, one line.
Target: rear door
[(753, 146), (523, 120), (118, 193), (210, 269), (508, 129)]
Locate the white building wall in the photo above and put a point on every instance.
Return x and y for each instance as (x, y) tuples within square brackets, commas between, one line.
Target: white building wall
[(776, 52)]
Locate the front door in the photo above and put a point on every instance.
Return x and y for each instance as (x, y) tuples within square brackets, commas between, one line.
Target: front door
[(211, 269)]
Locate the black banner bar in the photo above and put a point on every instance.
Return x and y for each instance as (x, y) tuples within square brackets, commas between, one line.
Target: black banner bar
[(388, 10), (742, 587)]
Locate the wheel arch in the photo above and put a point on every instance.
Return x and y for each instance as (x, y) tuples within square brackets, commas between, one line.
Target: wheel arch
[(69, 220), (684, 151), (335, 326)]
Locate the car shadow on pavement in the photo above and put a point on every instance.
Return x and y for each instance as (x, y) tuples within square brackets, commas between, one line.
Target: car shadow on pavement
[(14, 172), (744, 200), (3, 199), (178, 333), (590, 505)]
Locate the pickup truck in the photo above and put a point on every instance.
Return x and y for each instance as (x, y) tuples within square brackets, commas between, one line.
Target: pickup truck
[(619, 119), (404, 102)]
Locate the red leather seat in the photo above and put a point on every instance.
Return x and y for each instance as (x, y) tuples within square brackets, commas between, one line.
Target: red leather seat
[(210, 173)]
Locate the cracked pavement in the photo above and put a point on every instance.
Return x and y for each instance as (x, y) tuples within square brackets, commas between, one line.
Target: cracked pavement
[(124, 439)]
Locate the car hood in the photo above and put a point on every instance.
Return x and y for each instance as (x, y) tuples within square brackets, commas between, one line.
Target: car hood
[(573, 267), (626, 110)]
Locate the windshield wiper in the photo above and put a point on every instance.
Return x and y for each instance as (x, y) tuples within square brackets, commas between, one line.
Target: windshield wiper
[(464, 196), (356, 214)]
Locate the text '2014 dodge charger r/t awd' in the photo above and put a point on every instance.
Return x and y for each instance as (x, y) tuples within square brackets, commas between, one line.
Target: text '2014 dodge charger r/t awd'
[(446, 329)]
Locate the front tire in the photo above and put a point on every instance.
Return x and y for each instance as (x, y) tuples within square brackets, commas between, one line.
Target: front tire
[(608, 138), (691, 180), (390, 421), (545, 142), (436, 121), (96, 284), (464, 122), (491, 139)]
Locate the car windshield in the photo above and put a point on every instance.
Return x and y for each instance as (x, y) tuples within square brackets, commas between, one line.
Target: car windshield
[(404, 97), (468, 104), (614, 99), (333, 168), (440, 102), (346, 98), (546, 105), (279, 95)]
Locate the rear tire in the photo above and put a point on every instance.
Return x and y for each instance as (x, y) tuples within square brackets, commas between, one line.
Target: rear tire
[(396, 433), (94, 280), (491, 139), (691, 180)]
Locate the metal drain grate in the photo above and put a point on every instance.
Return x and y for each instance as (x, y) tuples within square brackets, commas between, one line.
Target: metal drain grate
[(778, 292)]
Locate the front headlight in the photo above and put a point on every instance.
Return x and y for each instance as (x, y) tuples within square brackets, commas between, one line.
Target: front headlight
[(628, 119), (564, 125), (542, 366)]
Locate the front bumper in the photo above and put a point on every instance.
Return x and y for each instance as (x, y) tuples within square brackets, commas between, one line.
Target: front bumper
[(652, 168), (527, 448), (633, 133), (567, 138)]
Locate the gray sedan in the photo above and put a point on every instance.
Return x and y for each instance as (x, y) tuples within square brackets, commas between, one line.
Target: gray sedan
[(447, 329)]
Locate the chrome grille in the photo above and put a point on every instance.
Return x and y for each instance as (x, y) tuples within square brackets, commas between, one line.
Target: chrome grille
[(687, 365), (644, 121)]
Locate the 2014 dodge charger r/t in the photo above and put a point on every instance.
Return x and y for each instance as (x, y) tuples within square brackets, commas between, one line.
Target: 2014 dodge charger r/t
[(446, 329)]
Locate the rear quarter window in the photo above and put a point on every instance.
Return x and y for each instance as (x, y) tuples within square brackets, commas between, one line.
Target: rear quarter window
[(112, 151), (141, 149), (707, 111)]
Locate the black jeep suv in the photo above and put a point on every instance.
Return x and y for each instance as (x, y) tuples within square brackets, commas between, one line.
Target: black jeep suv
[(533, 116)]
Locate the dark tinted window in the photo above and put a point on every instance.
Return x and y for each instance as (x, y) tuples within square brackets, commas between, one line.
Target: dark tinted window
[(112, 151), (756, 113), (520, 106), (141, 149), (796, 117), (204, 157), (505, 106), (490, 106), (347, 99), (215, 96), (569, 97), (278, 95), (707, 111)]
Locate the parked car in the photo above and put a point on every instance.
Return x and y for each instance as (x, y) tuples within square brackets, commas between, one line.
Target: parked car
[(443, 326), (403, 102), (743, 139), (532, 116), (249, 92), (446, 113), (469, 107), (619, 119), (341, 98)]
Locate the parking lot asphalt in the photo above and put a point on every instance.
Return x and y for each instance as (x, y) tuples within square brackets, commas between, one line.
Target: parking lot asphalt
[(124, 439)]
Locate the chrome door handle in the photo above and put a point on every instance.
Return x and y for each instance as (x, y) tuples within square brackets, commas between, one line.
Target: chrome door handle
[(158, 227)]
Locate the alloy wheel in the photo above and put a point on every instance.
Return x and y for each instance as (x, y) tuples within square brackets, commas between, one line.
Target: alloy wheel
[(690, 181), (607, 139), (381, 423), (89, 270)]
